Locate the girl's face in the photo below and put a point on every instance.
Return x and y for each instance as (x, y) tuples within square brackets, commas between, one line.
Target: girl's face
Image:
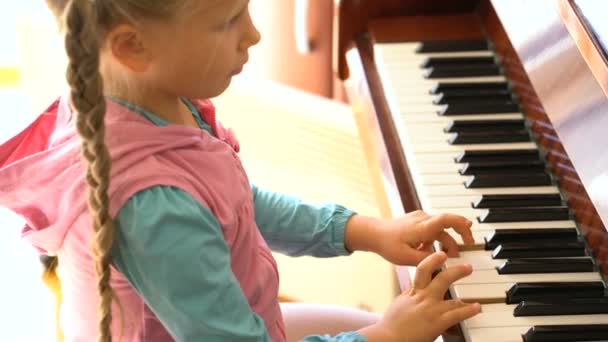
[(196, 54)]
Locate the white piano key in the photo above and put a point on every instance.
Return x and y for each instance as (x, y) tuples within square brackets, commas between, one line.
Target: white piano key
[(407, 68), (467, 211), (522, 225), (502, 334), (482, 293), (501, 315), (392, 58), (455, 190), (444, 179), (435, 159), (421, 108), (444, 147), (417, 83), (400, 57), (424, 92), (406, 119), (439, 168), (425, 98), (447, 202), (400, 51), (491, 276), (429, 138), (470, 213), (410, 70), (478, 259), (478, 236), (443, 157), (457, 201)]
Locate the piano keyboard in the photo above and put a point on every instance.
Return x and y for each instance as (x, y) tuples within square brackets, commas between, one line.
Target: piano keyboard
[(470, 152)]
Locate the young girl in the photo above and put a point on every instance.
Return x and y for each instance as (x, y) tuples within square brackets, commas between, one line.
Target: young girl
[(180, 238)]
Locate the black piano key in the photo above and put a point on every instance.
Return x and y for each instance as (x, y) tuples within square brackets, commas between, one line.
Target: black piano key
[(525, 214), (517, 200), (493, 98), (453, 46), (547, 265), (470, 156), (554, 290), (451, 71), (458, 126), (567, 333), (500, 236), (580, 306), (507, 180), (471, 89), (436, 61), (505, 168), (489, 137), (540, 249), (479, 108)]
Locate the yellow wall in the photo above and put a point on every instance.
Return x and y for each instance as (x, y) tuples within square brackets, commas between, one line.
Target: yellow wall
[(9, 77)]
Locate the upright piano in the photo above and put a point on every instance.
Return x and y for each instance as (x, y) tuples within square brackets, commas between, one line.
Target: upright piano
[(496, 110)]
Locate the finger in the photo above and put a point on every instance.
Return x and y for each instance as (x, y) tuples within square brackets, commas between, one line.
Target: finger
[(460, 224), (424, 270), (426, 246), (467, 311), (417, 255), (448, 305), (448, 244), (440, 284)]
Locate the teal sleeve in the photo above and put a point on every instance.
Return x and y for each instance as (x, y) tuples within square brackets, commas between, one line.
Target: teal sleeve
[(344, 337), (173, 252), (296, 228)]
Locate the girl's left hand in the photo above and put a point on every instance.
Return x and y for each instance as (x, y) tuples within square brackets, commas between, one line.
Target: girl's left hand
[(409, 239)]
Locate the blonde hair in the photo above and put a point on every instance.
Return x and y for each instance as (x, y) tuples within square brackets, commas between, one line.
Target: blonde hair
[(85, 23)]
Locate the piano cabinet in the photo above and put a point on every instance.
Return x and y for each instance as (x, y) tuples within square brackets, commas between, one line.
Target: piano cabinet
[(554, 68)]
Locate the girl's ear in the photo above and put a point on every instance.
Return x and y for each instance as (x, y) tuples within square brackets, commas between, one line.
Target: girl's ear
[(127, 47)]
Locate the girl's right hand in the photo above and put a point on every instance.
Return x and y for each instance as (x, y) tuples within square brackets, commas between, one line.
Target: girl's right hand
[(421, 314)]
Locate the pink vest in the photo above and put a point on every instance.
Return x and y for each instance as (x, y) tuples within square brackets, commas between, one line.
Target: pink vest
[(42, 178)]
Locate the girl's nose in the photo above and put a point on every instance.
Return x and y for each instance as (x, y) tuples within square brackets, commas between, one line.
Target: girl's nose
[(252, 36)]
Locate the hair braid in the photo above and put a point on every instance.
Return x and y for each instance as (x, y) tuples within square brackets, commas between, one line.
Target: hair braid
[(82, 45)]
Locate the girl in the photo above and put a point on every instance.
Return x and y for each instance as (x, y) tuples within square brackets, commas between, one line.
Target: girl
[(179, 238)]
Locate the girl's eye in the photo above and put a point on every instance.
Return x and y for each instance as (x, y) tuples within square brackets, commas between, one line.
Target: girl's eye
[(234, 19)]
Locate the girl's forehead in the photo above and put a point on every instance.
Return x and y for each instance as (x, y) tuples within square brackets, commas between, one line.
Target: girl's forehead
[(217, 7)]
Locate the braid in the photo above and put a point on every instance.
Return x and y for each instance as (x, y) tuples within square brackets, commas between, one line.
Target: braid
[(51, 280), (82, 45)]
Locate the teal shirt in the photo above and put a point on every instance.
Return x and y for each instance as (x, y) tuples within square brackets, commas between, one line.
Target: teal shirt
[(172, 250)]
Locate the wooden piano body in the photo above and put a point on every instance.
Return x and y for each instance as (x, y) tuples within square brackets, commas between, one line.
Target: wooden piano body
[(557, 70)]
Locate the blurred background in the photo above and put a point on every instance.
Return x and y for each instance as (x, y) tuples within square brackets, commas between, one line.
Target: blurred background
[(287, 93)]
